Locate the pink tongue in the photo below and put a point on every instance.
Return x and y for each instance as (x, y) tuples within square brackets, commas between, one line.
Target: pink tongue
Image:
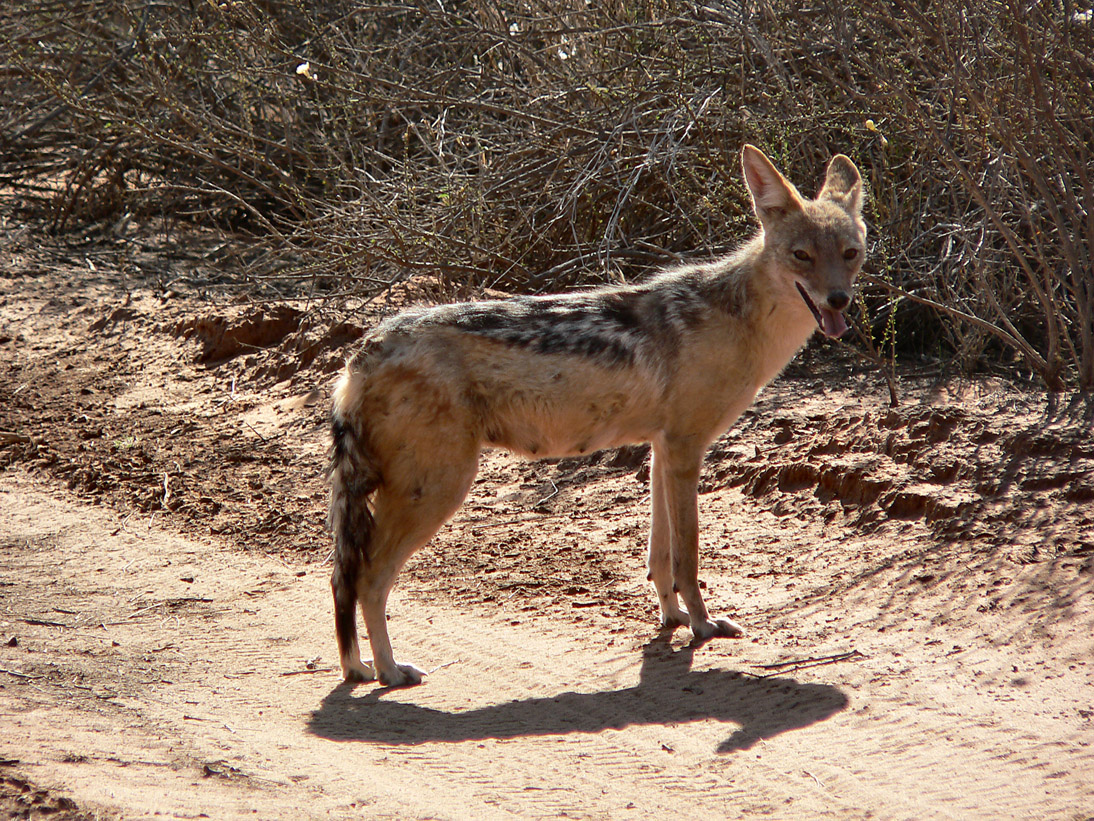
[(832, 322)]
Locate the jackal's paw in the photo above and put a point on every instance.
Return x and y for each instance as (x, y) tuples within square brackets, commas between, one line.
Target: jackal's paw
[(404, 675), (672, 620), (357, 671), (717, 628)]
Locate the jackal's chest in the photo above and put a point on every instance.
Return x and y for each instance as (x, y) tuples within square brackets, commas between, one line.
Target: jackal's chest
[(786, 332)]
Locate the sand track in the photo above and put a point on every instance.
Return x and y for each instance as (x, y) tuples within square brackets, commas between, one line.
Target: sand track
[(154, 674)]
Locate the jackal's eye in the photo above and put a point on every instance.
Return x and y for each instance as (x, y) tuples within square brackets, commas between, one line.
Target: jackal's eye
[(803, 256), (850, 254)]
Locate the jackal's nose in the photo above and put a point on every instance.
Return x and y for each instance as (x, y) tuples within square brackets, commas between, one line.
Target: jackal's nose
[(838, 300)]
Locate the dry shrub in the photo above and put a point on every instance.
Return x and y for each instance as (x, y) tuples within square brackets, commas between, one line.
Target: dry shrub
[(540, 144), (992, 105)]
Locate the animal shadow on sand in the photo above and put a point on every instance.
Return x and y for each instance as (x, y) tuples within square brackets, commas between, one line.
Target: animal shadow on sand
[(668, 692)]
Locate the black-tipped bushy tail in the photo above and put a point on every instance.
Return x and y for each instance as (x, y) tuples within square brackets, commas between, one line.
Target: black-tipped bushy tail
[(353, 478)]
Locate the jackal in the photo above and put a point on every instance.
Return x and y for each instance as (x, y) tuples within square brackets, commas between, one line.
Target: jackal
[(672, 361)]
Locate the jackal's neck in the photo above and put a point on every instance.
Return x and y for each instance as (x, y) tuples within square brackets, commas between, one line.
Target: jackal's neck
[(729, 285), (775, 319)]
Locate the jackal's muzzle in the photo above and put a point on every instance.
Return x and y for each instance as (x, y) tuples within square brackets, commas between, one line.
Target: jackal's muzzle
[(829, 316)]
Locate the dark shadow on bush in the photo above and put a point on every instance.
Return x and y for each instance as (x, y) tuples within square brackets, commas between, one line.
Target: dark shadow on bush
[(668, 692)]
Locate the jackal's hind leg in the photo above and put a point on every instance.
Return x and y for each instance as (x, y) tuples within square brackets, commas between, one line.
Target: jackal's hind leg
[(387, 672), (422, 489), (353, 669), (343, 582)]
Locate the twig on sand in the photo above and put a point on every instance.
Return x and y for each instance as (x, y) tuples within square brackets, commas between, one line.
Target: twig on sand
[(308, 670), (813, 661), (549, 496), (255, 431), (142, 611), (17, 674), (819, 782), (43, 623)]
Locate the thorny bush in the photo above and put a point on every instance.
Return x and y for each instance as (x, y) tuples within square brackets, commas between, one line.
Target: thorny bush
[(541, 144)]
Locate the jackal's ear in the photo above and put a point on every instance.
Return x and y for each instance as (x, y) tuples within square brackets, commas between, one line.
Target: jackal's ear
[(773, 196), (843, 185)]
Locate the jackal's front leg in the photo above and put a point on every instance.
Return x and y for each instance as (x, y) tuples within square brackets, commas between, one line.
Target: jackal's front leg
[(660, 548), (680, 483)]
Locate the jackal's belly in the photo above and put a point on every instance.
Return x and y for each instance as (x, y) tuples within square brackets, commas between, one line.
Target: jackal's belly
[(569, 426), (539, 443)]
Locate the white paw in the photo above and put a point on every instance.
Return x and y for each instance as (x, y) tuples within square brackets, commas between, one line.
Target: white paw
[(674, 618), (404, 675), (717, 628), (357, 671)]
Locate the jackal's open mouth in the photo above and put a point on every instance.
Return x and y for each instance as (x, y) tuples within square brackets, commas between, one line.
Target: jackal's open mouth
[(831, 322)]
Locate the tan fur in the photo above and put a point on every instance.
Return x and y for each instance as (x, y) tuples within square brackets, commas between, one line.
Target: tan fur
[(672, 361)]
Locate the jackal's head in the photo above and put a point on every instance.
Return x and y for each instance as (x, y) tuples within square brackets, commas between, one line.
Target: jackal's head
[(816, 245)]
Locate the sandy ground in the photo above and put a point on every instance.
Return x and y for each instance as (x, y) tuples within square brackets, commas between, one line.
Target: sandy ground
[(917, 583)]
